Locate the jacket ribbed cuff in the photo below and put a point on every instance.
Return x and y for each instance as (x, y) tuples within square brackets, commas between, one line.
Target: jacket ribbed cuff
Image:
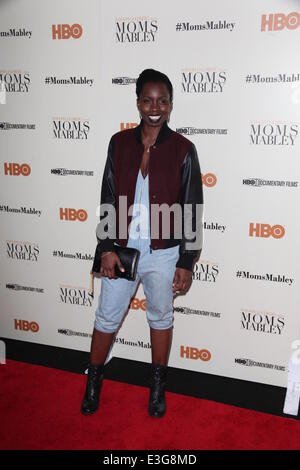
[(107, 245), (186, 261)]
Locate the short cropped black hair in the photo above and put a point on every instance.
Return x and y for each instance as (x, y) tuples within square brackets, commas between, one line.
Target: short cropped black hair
[(151, 75)]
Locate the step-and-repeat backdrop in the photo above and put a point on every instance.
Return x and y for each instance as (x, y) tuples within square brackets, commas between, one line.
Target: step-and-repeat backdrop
[(67, 83)]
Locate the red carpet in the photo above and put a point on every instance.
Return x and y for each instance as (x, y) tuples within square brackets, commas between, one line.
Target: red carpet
[(40, 409)]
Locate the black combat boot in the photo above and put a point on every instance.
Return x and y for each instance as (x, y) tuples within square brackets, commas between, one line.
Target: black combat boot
[(157, 401), (90, 400)]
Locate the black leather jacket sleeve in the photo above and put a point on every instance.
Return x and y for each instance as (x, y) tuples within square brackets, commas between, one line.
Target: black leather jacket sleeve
[(108, 196), (192, 218)]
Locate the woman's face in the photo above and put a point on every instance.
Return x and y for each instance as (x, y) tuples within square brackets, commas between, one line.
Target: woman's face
[(154, 104)]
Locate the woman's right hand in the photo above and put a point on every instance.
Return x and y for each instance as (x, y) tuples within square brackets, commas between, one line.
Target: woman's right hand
[(108, 261)]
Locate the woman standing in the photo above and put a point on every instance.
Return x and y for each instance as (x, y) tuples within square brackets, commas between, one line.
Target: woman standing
[(150, 165)]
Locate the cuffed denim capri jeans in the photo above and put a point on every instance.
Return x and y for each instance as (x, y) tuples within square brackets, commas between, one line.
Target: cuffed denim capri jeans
[(156, 269)]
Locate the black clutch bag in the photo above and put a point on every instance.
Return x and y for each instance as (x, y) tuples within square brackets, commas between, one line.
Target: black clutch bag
[(129, 258)]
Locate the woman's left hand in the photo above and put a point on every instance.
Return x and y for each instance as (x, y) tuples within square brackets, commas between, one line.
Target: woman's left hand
[(182, 280)]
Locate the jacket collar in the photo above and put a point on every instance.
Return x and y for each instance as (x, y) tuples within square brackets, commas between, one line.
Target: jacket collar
[(163, 134)]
